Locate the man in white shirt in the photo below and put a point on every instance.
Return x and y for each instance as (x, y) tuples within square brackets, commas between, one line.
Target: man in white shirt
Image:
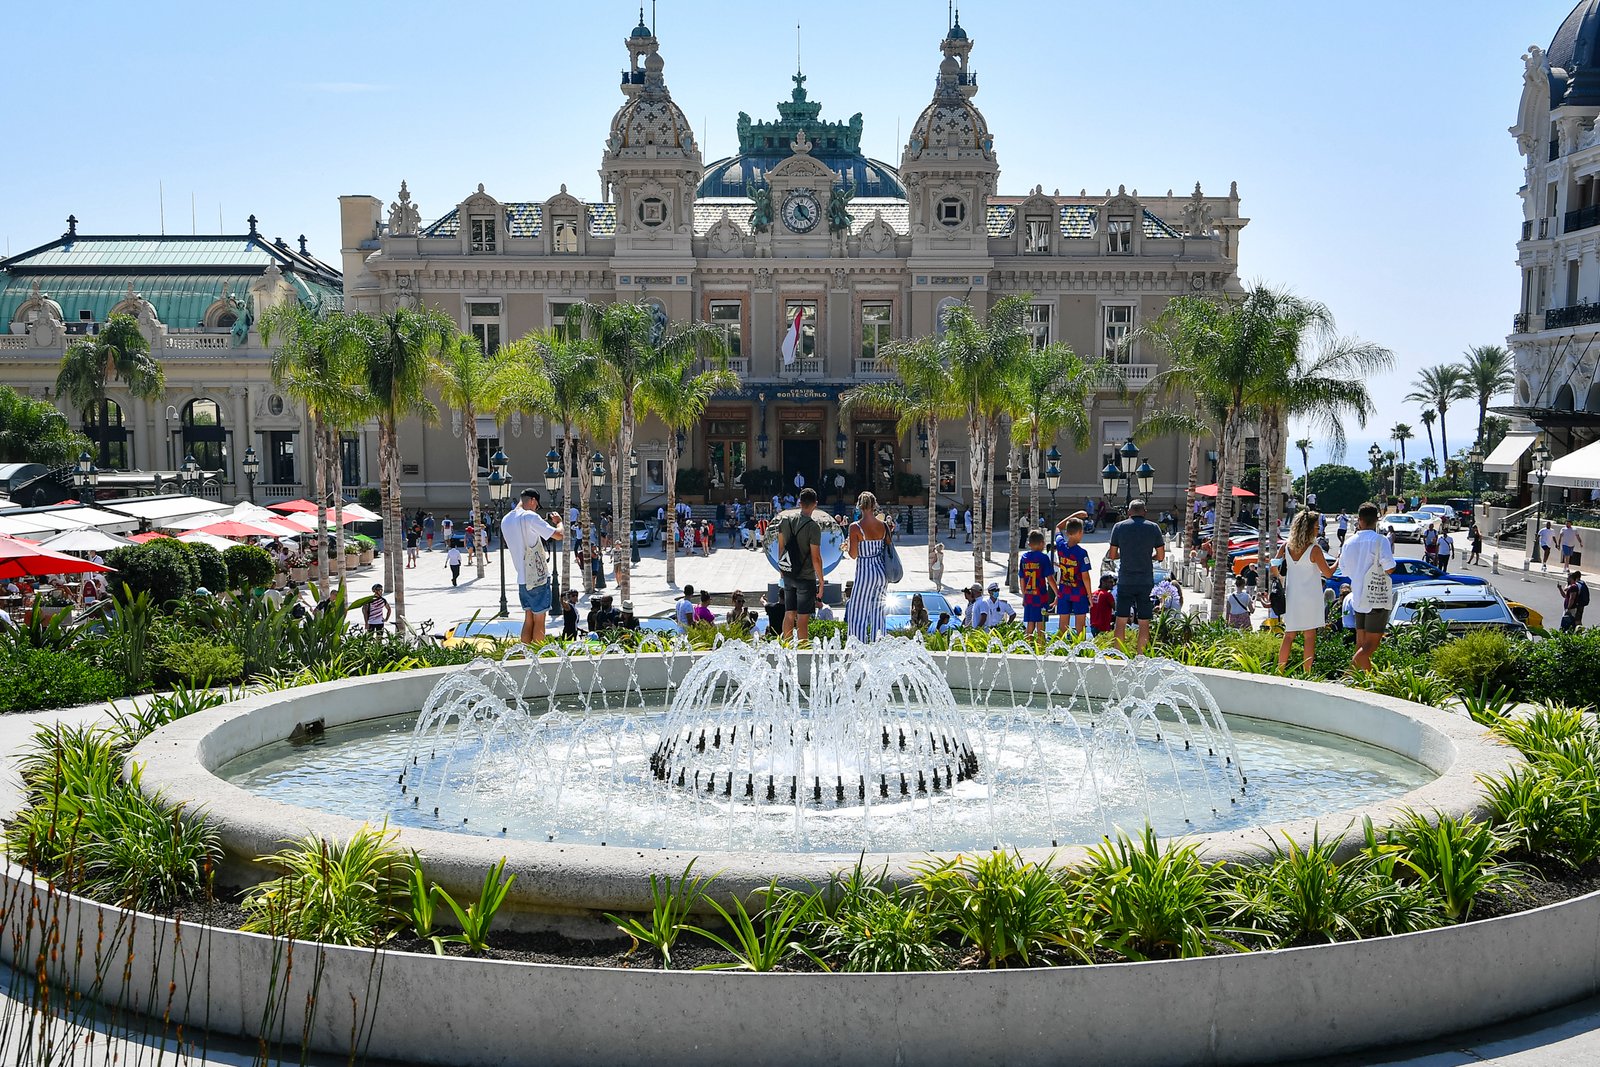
[(1547, 540), (966, 520), (955, 517), (1571, 543), (977, 609), (799, 481), (1447, 545), (684, 610), (524, 531), (1367, 549), (452, 560), (999, 611), (447, 527)]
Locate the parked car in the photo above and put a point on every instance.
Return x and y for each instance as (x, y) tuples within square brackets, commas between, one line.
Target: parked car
[(1463, 607), (1407, 571), (897, 608), (1463, 509), (482, 632), (644, 531), (1404, 527), (1532, 618), (1443, 514)]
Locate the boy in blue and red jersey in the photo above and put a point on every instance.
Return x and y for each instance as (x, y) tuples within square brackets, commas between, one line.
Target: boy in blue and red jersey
[(1036, 578), (1074, 581)]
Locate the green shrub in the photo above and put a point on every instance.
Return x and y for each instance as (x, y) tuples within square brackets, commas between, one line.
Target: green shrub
[(1407, 683), (163, 568), (201, 662), (476, 918), (875, 926), (212, 571), (1457, 859), (1475, 660), (670, 903), (342, 894), (761, 941), (1008, 908), (37, 678), (1147, 901), (249, 567), (128, 629), (1563, 667)]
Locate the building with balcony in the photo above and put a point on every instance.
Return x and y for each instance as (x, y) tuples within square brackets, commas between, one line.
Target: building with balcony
[(197, 300), (798, 223), (1555, 330)]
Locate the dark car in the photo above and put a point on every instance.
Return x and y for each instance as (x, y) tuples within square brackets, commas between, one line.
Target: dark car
[(1407, 571)]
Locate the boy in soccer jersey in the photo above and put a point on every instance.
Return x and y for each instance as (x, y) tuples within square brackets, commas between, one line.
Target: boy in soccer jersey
[(1103, 606), (1074, 583), (1036, 575)]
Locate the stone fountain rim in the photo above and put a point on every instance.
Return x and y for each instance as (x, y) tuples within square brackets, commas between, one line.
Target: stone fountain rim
[(179, 761)]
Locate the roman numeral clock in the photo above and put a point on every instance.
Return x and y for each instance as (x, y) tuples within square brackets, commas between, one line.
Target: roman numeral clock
[(801, 210)]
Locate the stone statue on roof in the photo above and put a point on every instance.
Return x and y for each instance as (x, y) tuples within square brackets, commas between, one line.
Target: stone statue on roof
[(839, 217), (242, 317), (761, 216), (404, 217)]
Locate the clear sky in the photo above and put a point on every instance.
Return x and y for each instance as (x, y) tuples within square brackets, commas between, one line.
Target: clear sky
[(1368, 138)]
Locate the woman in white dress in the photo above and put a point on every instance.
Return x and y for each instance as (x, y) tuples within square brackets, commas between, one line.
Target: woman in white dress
[(1304, 567)]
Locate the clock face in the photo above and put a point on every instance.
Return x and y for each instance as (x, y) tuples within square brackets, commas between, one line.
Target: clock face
[(801, 211)]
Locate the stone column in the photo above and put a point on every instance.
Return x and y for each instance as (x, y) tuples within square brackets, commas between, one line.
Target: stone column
[(238, 414)]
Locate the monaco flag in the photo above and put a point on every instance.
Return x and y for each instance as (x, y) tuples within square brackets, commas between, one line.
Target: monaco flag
[(791, 340)]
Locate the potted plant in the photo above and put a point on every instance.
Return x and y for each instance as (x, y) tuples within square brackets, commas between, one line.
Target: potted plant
[(367, 548), (299, 568), (352, 556), (49, 603)]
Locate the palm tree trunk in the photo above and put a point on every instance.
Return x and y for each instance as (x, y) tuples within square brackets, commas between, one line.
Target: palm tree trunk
[(585, 487), (1011, 519), (319, 484), (1033, 478), (566, 546), (469, 419), (1191, 519), (1232, 448), (672, 508), (992, 438), (392, 516), (975, 436), (624, 483), (933, 489), (1271, 433)]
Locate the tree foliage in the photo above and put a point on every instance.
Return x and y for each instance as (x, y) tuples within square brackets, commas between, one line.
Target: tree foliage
[(33, 431)]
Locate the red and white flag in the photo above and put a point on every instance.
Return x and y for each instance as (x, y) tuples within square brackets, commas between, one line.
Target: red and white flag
[(791, 340)]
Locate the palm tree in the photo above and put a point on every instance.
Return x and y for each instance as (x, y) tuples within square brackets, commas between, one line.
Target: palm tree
[(1050, 391), (1490, 372), (919, 395), (316, 365), (1429, 417), (1440, 386), (118, 353), (1401, 434), (982, 357), (34, 431), (1428, 466), (551, 373), (598, 419), (1192, 404), (470, 382), (1303, 446), (635, 343), (395, 368), (678, 396)]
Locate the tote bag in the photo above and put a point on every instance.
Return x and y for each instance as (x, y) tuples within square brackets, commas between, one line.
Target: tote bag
[(893, 569)]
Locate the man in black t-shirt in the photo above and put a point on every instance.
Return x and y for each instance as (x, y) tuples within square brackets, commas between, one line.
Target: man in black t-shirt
[(1137, 544), (800, 540)]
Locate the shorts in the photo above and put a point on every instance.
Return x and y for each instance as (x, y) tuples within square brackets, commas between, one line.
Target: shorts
[(1071, 606), (536, 600), (1033, 612), (1372, 622), (800, 596), (1133, 602)]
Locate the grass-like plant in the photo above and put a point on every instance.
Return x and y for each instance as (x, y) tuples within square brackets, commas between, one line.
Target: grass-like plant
[(1408, 683), (419, 909), (876, 926), (476, 918), (344, 894), (763, 940), (1551, 728), (671, 901), (1459, 859), (1488, 707), (1150, 901), (1305, 895), (1008, 908)]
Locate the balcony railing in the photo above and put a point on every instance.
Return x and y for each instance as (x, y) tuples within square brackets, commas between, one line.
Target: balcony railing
[(1519, 323), (1132, 375), (1527, 229), (873, 368), (801, 368), (1529, 225), (1581, 219), (1576, 315)]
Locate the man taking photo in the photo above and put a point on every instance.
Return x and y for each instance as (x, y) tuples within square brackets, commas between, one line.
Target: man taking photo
[(525, 532), (800, 561)]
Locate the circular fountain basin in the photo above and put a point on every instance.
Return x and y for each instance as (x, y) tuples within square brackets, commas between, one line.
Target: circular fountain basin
[(1428, 759)]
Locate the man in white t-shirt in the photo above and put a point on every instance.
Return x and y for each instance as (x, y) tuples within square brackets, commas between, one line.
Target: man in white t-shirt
[(1547, 541), (978, 609), (523, 532), (955, 518), (1000, 612), (446, 527), (1571, 543), (966, 520), (1367, 549), (683, 612), (1447, 545)]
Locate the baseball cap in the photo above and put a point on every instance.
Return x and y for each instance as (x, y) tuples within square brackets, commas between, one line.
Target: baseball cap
[(994, 587)]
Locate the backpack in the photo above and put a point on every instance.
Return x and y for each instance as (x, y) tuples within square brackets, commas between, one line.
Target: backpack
[(1583, 594), (791, 560)]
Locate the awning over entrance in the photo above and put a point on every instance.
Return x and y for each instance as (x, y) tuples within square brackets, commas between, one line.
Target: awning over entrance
[(1576, 470), (1509, 452)]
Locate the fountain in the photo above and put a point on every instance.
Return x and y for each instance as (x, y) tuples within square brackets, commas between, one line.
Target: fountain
[(884, 747)]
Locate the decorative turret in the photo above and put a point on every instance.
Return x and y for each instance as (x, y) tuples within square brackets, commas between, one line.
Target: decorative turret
[(651, 163), (948, 166)]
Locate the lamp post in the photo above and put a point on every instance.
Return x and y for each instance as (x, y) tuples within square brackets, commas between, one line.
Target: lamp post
[(597, 474), (1475, 468), (252, 467), (190, 475), (1541, 471), (85, 475), (500, 495), (1375, 457), (633, 479), (1144, 475), (1052, 480)]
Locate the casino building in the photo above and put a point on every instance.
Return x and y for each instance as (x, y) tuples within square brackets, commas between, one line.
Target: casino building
[(798, 222)]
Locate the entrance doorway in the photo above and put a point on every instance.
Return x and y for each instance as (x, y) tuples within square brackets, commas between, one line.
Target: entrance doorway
[(877, 456), (800, 446), (727, 453)]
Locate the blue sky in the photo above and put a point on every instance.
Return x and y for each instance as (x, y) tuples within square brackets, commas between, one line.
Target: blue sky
[(1368, 139)]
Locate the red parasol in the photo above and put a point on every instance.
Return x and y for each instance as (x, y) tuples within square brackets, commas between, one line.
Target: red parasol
[(19, 559), (141, 538), (236, 529), (1211, 490), (295, 505)]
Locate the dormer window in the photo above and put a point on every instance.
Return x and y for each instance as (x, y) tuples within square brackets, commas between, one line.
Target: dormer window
[(951, 211), (652, 211), (1036, 236), (1119, 236), (483, 234), (564, 237)]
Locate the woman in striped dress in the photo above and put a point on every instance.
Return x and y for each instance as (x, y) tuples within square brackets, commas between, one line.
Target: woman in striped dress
[(863, 615)]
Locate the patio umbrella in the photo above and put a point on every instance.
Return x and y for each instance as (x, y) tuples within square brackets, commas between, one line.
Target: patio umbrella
[(304, 521), (1211, 490), (85, 540), (141, 538), (295, 505), (200, 537), (361, 514), (236, 529), (19, 559)]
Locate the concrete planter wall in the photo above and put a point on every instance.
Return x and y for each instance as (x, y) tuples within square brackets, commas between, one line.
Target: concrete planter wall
[(556, 878), (1251, 1008)]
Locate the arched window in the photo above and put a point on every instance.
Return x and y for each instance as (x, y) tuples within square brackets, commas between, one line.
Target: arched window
[(108, 429), (1564, 398), (1592, 401), (944, 309), (204, 436)]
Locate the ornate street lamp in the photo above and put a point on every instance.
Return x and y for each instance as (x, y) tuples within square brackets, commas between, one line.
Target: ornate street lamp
[(500, 496), (190, 475), (1130, 452), (1110, 475), (552, 475), (85, 475), (1147, 478), (1541, 471), (1475, 466), (1052, 482), (633, 480), (252, 467)]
